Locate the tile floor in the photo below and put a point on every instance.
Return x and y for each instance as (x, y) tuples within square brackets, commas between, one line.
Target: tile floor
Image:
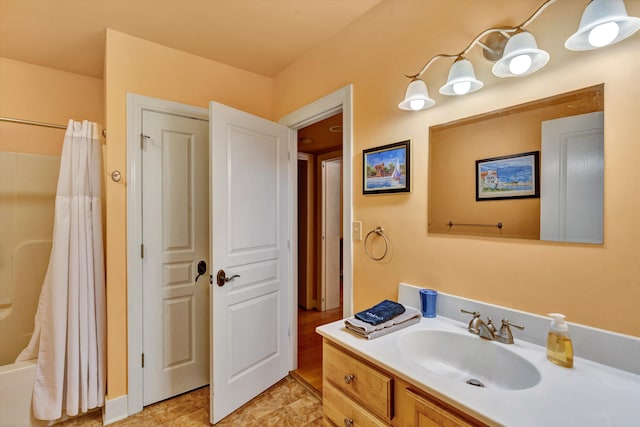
[(287, 403)]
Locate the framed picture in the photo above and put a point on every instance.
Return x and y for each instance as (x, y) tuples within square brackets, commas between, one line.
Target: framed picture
[(508, 177), (387, 169)]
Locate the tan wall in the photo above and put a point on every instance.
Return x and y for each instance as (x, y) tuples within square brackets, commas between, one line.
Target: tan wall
[(41, 94), (138, 66), (595, 285)]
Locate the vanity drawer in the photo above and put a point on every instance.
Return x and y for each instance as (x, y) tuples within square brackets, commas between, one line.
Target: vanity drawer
[(362, 383), (342, 411)]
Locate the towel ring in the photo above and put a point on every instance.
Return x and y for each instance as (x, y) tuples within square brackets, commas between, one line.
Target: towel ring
[(380, 232)]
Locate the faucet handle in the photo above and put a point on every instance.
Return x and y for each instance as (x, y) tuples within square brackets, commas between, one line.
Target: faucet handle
[(505, 335), (474, 324), (507, 323), (474, 313)]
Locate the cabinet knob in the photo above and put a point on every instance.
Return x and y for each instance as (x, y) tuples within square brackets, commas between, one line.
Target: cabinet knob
[(349, 378), (348, 422)]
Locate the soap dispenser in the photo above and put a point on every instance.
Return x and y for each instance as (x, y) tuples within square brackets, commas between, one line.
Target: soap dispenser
[(559, 346)]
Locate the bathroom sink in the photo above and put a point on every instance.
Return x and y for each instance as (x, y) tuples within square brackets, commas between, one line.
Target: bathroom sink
[(469, 358)]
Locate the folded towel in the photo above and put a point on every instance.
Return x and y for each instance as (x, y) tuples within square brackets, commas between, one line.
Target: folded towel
[(384, 331), (380, 313), (365, 328)]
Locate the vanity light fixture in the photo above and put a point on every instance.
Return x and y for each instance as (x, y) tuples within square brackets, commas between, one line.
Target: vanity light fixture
[(521, 56), (603, 22), (462, 79), (417, 96), (516, 54)]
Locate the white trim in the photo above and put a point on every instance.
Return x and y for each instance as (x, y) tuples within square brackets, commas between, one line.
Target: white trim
[(327, 106), (115, 410), (136, 104)]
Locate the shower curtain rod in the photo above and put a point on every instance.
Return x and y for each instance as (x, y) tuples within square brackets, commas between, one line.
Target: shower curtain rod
[(43, 124)]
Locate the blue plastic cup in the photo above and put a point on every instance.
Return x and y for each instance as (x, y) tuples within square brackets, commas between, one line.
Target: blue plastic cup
[(428, 302)]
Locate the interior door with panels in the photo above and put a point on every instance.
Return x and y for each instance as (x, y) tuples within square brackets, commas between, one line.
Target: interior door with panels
[(175, 174)]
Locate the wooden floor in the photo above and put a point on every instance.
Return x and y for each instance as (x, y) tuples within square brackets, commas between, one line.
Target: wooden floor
[(310, 344)]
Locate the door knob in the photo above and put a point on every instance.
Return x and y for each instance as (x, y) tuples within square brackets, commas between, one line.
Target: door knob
[(222, 278), (202, 268)]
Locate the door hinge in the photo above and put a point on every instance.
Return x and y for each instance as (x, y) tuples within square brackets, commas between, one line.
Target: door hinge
[(142, 360), (141, 251)]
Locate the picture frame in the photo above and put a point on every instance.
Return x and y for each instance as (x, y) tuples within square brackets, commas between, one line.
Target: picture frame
[(387, 169), (515, 176)]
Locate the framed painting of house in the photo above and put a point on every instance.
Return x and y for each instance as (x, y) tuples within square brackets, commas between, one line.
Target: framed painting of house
[(387, 169), (508, 177)]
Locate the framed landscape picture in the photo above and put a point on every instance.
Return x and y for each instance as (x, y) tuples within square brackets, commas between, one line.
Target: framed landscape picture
[(387, 169), (508, 177)]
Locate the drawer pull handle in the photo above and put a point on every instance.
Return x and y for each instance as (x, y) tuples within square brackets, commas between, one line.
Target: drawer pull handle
[(348, 422), (349, 378)]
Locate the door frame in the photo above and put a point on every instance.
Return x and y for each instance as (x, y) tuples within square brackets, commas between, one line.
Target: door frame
[(136, 104), (327, 106)]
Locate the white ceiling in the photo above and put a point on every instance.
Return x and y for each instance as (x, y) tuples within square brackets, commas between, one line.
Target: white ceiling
[(262, 36)]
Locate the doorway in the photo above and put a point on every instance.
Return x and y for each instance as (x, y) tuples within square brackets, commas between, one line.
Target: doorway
[(318, 110), (320, 237)]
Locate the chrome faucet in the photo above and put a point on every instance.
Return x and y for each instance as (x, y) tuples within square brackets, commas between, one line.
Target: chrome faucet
[(488, 330)]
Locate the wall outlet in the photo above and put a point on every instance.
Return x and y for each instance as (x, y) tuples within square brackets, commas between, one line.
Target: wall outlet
[(356, 230)]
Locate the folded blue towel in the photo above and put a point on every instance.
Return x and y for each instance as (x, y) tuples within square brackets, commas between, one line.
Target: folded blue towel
[(380, 313)]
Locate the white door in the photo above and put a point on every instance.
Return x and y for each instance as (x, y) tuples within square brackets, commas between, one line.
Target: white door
[(175, 238), (572, 179), (249, 233), (331, 220)]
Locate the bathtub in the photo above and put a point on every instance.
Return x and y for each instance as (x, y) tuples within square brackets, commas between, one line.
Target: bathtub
[(16, 385)]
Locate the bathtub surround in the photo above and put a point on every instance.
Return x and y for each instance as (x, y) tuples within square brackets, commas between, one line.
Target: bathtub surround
[(69, 335), (27, 194)]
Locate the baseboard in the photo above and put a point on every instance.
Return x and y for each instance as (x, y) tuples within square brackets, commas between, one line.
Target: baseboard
[(115, 410)]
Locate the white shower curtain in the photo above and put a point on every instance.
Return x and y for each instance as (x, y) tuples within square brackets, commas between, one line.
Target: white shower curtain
[(69, 336)]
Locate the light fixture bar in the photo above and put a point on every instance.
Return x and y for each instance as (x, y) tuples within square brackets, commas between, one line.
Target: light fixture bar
[(482, 35)]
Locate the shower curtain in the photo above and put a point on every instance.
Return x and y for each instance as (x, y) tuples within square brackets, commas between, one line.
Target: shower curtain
[(69, 335)]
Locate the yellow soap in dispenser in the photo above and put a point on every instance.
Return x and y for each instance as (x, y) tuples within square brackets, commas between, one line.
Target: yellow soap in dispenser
[(559, 346)]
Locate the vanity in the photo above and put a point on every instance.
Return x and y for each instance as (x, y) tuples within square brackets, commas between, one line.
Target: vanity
[(436, 373)]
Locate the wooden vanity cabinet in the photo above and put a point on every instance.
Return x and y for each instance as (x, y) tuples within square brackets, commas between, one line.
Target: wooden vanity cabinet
[(355, 392)]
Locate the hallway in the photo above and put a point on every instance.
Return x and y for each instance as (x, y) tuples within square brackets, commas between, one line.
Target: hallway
[(310, 344)]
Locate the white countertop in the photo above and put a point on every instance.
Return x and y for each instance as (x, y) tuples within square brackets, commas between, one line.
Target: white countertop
[(589, 394)]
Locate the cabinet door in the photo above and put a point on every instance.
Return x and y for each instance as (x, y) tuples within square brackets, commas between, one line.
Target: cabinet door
[(425, 413)]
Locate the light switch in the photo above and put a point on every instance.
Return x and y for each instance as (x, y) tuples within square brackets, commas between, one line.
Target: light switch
[(356, 230)]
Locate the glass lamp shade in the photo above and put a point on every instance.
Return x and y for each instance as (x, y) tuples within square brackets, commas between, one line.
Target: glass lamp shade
[(603, 22), (521, 57), (417, 97), (462, 79)]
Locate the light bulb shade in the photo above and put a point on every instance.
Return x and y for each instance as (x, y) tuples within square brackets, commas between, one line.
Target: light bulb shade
[(462, 79), (600, 12), (519, 45), (417, 97)]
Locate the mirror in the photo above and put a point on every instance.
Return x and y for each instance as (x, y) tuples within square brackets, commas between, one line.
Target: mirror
[(487, 155)]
